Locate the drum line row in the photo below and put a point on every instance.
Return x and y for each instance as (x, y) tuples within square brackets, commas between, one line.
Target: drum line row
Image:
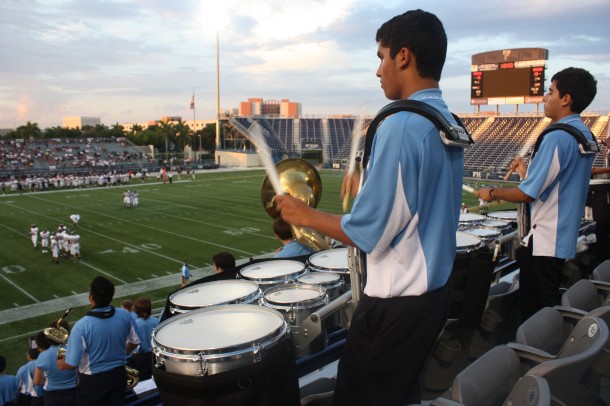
[(218, 326)]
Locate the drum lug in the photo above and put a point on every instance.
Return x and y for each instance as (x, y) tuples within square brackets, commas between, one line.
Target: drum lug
[(203, 365), (291, 316), (256, 354)]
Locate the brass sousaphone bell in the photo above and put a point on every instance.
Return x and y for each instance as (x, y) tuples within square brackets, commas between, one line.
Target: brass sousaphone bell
[(301, 180)]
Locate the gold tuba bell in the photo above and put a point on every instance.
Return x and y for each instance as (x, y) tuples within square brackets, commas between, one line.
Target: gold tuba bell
[(299, 179), (58, 334)]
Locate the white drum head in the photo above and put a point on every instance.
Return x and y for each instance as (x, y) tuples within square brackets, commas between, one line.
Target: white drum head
[(484, 233), (501, 224), (214, 293), (506, 215), (466, 241), (332, 260), (269, 271), (319, 278), (471, 218), (293, 293), (218, 327)]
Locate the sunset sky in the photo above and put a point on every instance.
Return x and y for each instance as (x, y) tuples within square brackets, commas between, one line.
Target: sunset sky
[(136, 60)]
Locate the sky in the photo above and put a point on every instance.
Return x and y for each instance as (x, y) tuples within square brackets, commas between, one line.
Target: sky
[(128, 61)]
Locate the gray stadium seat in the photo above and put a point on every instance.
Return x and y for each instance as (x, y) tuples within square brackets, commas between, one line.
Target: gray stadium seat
[(495, 379), (569, 374), (602, 271)]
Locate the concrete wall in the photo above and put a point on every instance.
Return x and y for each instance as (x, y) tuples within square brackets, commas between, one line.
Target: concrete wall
[(239, 159)]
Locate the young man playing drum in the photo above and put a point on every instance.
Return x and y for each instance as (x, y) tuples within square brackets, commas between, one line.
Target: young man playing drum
[(405, 218)]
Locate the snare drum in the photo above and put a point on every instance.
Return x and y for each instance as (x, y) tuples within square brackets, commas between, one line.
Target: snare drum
[(230, 291), (217, 339), (334, 260), (296, 302), (503, 226), (272, 273), (466, 242), (485, 233), (330, 281), (470, 220), (506, 215)]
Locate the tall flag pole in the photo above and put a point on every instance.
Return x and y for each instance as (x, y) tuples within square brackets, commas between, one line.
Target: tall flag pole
[(217, 97)]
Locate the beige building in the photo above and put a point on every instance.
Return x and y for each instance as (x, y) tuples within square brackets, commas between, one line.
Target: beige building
[(80, 122)]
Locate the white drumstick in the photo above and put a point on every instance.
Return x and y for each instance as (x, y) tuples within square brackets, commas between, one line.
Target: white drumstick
[(356, 137), (467, 188), (256, 136)]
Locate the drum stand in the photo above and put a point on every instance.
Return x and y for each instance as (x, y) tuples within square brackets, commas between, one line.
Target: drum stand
[(312, 327), (304, 334)]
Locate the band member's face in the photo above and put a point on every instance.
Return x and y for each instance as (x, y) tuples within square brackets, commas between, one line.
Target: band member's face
[(387, 73), (553, 102)]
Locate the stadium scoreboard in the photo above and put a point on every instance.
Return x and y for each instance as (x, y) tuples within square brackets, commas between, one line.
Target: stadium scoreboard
[(510, 76)]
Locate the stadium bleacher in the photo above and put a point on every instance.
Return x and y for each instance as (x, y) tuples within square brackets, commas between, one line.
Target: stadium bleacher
[(498, 138)]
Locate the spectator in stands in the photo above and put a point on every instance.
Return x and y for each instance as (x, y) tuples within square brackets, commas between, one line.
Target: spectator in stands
[(223, 261), (59, 386), (404, 217), (98, 346), (28, 392), (555, 185), (290, 247), (8, 385), (145, 324)]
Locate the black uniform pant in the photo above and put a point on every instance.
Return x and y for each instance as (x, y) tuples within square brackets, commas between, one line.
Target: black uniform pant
[(539, 280), (103, 389), (386, 347)]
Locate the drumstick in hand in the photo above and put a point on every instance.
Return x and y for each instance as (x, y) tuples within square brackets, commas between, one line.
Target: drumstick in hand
[(468, 189), (356, 137)]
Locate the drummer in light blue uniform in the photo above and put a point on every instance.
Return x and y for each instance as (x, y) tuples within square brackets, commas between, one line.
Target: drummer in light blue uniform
[(405, 218)]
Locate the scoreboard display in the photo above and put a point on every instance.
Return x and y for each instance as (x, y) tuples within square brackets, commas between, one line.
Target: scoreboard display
[(499, 80)]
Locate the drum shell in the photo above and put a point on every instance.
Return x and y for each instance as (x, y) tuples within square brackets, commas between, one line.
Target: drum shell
[(296, 312), (331, 281), (214, 293), (502, 225), (272, 273), (333, 260), (468, 220), (505, 215), (467, 243), (201, 361)]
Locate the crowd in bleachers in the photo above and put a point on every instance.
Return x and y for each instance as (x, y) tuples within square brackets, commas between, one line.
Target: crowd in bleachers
[(52, 154)]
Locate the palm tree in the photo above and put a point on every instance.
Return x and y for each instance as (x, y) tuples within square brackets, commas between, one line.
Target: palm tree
[(29, 131)]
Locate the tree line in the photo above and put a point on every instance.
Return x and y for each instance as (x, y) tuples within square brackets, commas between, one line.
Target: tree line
[(173, 135)]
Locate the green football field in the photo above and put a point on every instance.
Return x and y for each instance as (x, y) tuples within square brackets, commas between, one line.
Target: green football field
[(134, 247)]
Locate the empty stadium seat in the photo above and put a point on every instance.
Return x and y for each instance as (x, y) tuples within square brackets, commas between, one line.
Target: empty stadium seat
[(602, 272), (569, 373)]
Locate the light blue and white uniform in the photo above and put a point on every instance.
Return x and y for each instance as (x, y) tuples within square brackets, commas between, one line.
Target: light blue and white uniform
[(57, 379), (406, 214), (98, 345), (558, 178), (145, 329), (25, 380), (293, 249)]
